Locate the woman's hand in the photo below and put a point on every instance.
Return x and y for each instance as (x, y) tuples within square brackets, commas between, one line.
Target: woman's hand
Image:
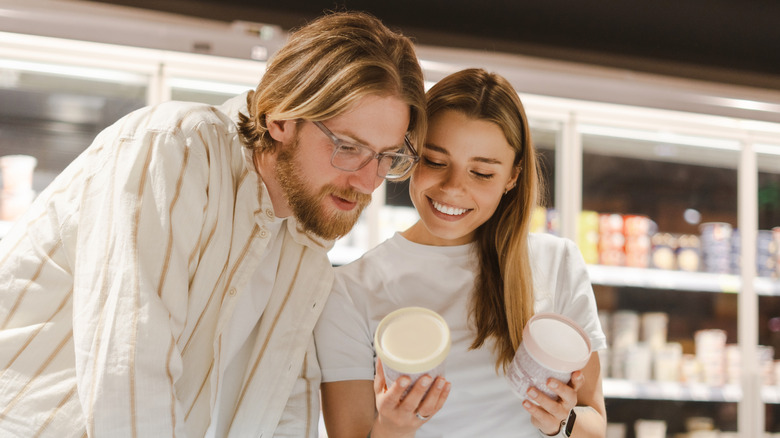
[(401, 415), (549, 414)]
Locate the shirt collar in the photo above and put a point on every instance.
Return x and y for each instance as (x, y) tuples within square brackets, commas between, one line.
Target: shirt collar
[(266, 213), (232, 108)]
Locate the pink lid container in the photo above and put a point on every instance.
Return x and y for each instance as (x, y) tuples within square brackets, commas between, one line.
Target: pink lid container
[(556, 342), (553, 346)]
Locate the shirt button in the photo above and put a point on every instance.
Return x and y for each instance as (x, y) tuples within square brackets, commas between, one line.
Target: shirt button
[(263, 233), (232, 291), (269, 213)]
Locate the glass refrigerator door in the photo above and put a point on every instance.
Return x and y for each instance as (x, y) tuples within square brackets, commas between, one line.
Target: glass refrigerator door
[(546, 136), (210, 92), (664, 209), (52, 112), (767, 270)]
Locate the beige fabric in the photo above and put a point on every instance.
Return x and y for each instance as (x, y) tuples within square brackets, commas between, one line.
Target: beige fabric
[(116, 286)]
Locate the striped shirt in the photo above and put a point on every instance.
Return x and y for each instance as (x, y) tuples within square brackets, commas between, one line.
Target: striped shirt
[(118, 283)]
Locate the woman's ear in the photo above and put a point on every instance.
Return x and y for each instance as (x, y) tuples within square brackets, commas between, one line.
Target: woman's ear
[(282, 131), (513, 179)]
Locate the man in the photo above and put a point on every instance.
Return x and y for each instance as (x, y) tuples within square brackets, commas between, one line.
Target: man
[(167, 282)]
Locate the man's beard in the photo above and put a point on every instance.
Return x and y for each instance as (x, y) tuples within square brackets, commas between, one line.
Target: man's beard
[(308, 206)]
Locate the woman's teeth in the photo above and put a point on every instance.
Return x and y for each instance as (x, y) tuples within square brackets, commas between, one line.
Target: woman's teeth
[(452, 211)]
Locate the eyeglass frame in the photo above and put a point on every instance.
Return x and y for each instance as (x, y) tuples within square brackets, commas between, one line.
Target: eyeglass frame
[(337, 142)]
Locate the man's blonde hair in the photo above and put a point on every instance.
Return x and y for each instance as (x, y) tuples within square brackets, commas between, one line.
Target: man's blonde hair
[(326, 66)]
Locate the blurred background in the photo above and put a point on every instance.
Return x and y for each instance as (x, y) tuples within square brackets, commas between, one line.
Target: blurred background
[(658, 124)]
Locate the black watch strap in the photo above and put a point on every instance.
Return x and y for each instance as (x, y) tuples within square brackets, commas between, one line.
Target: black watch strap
[(569, 427)]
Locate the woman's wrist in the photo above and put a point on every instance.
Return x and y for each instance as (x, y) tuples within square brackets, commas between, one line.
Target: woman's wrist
[(565, 430), (380, 431)]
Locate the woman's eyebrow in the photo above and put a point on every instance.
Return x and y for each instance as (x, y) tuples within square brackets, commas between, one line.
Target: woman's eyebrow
[(441, 150), (486, 160)]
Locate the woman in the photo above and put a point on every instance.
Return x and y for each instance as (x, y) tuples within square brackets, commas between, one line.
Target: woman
[(470, 258)]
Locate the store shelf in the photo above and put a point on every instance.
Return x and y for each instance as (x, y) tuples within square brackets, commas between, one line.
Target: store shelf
[(673, 391), (653, 390), (619, 276)]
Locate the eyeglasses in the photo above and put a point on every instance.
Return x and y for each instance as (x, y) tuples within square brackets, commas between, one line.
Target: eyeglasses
[(352, 157)]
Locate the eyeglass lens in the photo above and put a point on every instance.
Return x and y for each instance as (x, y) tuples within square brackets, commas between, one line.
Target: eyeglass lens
[(352, 157)]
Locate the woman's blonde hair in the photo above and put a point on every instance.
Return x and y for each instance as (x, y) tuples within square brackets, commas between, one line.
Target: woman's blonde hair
[(326, 66), (503, 296)]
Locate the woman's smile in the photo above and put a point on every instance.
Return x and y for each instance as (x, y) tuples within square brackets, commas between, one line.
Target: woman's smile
[(449, 210)]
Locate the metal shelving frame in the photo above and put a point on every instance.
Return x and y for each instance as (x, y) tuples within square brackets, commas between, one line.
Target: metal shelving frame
[(571, 96)]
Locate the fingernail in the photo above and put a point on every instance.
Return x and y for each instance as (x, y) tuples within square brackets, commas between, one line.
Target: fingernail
[(532, 393), (440, 383), (425, 381), (527, 404), (404, 382), (553, 384)]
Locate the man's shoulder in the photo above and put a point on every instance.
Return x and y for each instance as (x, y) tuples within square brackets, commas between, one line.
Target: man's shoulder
[(178, 117)]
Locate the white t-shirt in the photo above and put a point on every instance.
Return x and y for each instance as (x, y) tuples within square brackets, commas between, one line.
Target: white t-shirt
[(399, 273)]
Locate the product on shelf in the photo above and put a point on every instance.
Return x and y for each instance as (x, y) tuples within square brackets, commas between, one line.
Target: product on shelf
[(625, 335), (637, 231), (667, 362), (654, 329), (664, 251), (711, 353), (690, 369), (612, 241), (539, 220), (776, 248), (766, 253), (544, 220), (650, 428), (716, 247), (766, 363), (616, 430), (637, 363), (764, 359), (553, 222), (588, 236), (688, 253), (17, 193), (733, 364), (639, 352)]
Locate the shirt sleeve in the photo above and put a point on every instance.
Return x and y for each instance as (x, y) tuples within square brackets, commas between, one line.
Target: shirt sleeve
[(343, 337), (575, 297), (141, 217)]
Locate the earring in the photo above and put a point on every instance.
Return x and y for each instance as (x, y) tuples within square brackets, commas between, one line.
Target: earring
[(509, 188)]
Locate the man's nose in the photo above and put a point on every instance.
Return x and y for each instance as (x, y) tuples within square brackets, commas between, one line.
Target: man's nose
[(366, 180)]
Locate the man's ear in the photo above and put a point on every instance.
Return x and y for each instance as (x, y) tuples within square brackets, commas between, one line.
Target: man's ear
[(282, 131)]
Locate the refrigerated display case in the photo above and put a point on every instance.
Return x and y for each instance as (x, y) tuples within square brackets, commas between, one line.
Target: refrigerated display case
[(666, 153)]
